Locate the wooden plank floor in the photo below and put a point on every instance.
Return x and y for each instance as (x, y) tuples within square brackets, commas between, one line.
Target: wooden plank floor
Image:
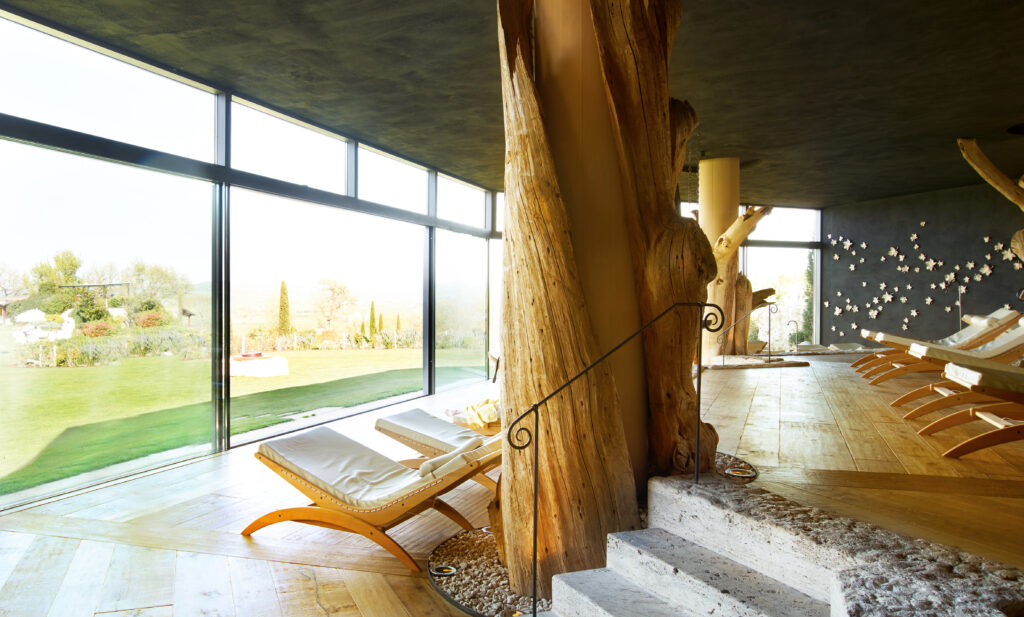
[(822, 436), (168, 543)]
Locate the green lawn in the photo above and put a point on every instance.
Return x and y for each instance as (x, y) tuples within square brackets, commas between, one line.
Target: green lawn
[(61, 422)]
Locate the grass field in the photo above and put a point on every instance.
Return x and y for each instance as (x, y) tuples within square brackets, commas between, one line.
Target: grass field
[(61, 422)]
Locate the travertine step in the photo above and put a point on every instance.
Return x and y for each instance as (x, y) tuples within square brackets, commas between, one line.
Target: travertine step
[(604, 593), (685, 574), (735, 522)]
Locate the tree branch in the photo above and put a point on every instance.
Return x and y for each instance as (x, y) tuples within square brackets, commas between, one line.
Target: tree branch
[(729, 242), (990, 173)]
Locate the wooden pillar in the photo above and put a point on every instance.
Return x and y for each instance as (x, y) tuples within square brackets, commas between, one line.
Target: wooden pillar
[(579, 128), (587, 489), (718, 195)]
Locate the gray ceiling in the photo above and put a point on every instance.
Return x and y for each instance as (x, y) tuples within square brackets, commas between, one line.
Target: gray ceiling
[(827, 102)]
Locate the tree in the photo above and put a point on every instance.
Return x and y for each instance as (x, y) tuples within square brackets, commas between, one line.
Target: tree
[(155, 282), (62, 271), (332, 298), (103, 275), (362, 328), (380, 322), (373, 319), (284, 317), (10, 281), (398, 322), (805, 333)]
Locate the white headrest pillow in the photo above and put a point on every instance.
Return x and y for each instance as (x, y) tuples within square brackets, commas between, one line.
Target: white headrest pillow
[(429, 466)]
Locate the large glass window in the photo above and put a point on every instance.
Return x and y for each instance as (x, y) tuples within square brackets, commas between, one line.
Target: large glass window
[(105, 338), (461, 266), (460, 202), (326, 311), (497, 296), (789, 224), (50, 80), (790, 271), (389, 181), (267, 145)]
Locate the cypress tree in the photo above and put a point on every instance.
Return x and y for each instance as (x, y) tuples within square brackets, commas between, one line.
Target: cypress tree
[(284, 315), (380, 322), (373, 319), (398, 323), (362, 327)]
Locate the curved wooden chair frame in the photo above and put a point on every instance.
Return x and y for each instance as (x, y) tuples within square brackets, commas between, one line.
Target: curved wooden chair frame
[(933, 365), (371, 523)]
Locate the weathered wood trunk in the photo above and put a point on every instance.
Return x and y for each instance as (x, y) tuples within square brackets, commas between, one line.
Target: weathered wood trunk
[(585, 480), (744, 302), (672, 258)]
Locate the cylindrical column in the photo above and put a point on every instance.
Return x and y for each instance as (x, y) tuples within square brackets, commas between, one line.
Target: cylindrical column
[(718, 194)]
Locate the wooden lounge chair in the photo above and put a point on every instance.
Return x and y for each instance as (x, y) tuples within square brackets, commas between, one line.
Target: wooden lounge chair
[(980, 330), (430, 436), (356, 489), (924, 358), (1000, 382)]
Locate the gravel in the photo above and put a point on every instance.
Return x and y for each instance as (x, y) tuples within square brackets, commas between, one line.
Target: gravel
[(481, 583)]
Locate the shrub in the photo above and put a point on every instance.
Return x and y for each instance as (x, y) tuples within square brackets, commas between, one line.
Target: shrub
[(116, 302), (88, 309), (57, 303), (151, 319), (91, 351), (97, 328), (145, 305)]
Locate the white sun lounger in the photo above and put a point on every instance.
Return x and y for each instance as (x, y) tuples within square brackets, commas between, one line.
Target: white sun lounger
[(1002, 383), (430, 436), (356, 489), (980, 330)]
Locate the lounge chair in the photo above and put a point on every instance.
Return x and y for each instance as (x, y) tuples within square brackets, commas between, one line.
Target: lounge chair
[(980, 330), (430, 436), (356, 489), (1000, 382), (932, 358)]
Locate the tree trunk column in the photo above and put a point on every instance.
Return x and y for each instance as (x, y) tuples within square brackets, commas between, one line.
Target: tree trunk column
[(718, 195)]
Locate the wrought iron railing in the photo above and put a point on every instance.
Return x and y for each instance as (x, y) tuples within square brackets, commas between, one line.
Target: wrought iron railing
[(772, 309), (522, 437)]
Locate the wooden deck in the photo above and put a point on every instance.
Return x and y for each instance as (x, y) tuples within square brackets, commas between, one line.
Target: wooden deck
[(169, 542)]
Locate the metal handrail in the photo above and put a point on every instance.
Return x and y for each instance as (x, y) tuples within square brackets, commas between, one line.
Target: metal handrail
[(710, 321), (772, 308)]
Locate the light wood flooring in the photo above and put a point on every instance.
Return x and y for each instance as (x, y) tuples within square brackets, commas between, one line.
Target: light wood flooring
[(822, 436), (168, 543)]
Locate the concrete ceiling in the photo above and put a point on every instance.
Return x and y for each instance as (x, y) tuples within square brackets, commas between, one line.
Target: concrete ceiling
[(827, 103)]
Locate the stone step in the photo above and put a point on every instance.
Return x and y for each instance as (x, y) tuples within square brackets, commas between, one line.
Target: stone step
[(685, 574), (604, 593), (740, 523)]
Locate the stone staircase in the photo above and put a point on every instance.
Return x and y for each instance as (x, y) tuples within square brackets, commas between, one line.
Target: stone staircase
[(730, 550)]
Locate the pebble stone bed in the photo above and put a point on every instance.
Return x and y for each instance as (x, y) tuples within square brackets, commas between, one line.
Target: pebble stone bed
[(480, 583)]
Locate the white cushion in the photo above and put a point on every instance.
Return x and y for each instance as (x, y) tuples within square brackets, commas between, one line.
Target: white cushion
[(999, 317), (986, 374), (418, 425), (343, 468), (1009, 341), (429, 466)]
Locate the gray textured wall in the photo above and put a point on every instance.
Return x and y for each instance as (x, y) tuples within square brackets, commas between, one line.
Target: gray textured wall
[(956, 223)]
